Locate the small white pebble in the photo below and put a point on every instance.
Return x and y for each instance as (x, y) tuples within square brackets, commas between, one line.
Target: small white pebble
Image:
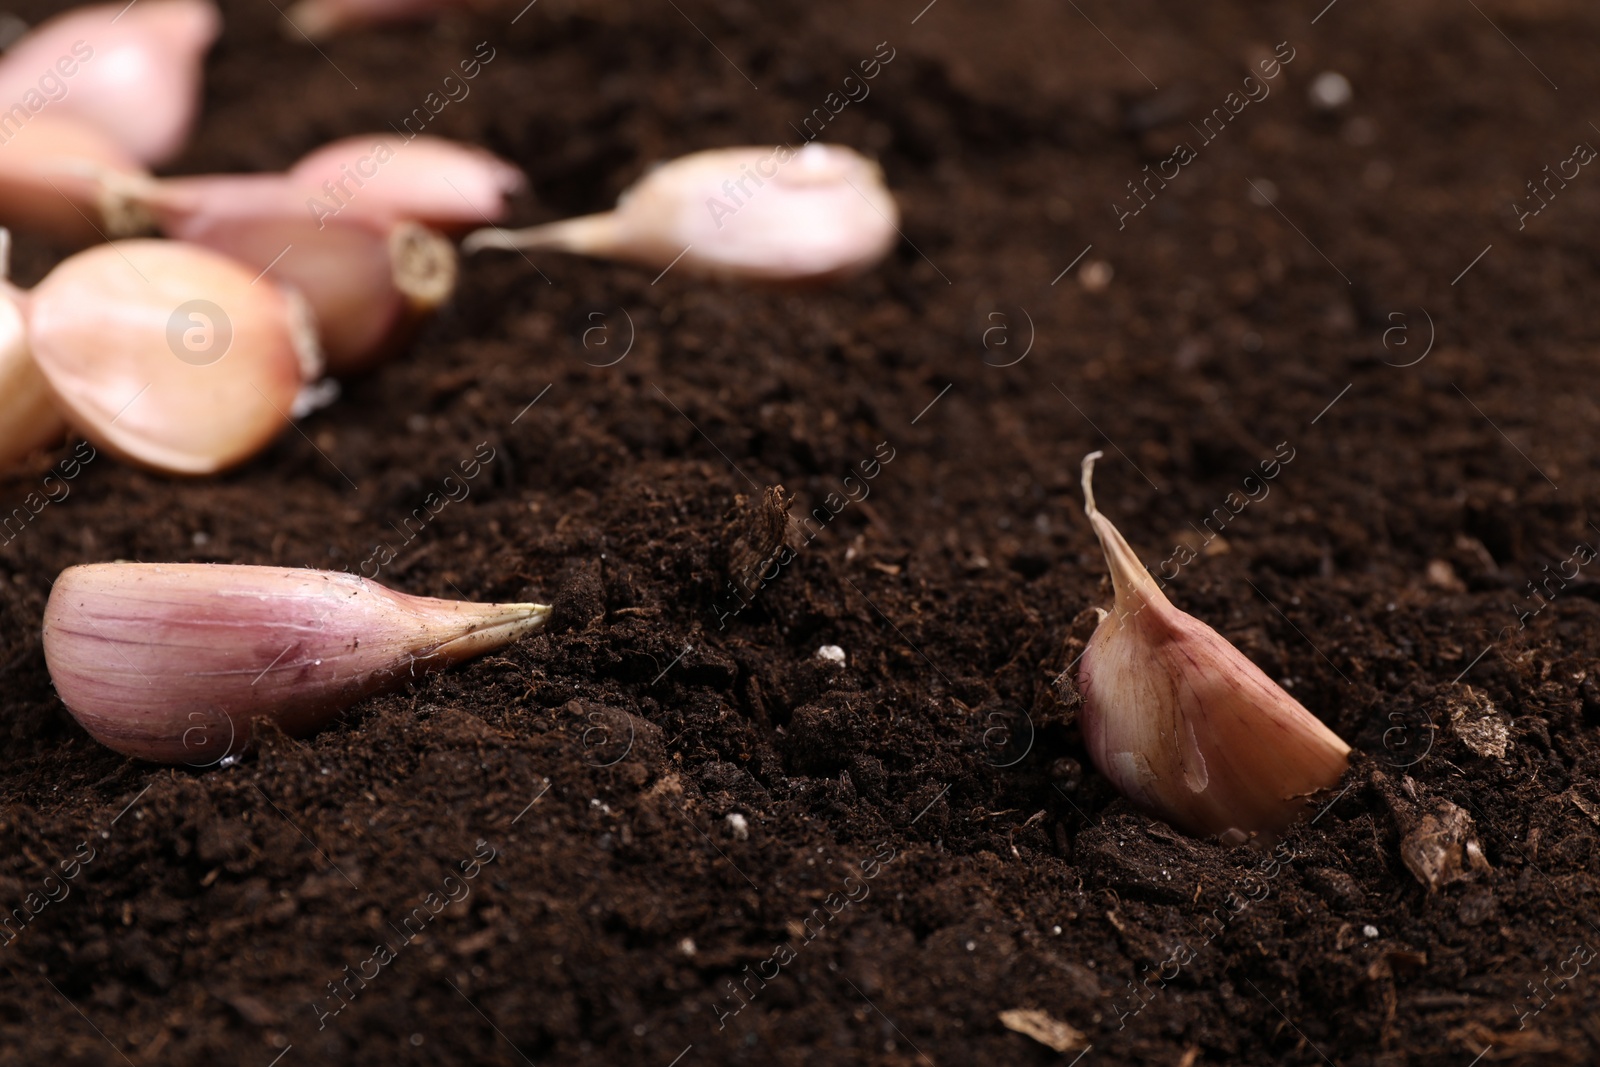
[(1370, 931), (831, 654), (1055, 929), (686, 946), (972, 946), (739, 825), (1329, 91)]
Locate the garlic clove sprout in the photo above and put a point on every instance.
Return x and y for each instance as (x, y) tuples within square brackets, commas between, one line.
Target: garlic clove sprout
[(177, 662), (367, 280), (1182, 723), (169, 355), (53, 173), (318, 20), (28, 417), (440, 183), (767, 214), (132, 70)]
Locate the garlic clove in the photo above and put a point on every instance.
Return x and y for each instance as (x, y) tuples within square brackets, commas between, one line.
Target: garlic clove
[(440, 183), (52, 177), (169, 355), (132, 70), (177, 662), (368, 281), (766, 214), (28, 417), (1182, 723), (317, 20)]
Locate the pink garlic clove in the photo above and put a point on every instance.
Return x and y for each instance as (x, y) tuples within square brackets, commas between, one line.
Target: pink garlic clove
[(53, 175), (177, 662), (1182, 723), (368, 281), (169, 355), (131, 70), (28, 417), (765, 214), (430, 180)]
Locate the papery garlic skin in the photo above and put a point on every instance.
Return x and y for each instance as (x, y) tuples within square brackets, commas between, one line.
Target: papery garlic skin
[(764, 214), (169, 355), (367, 279), (439, 183), (136, 70), (28, 417), (1185, 726), (176, 662)]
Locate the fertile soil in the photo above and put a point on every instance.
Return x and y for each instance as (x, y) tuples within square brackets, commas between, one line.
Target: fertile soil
[(661, 799)]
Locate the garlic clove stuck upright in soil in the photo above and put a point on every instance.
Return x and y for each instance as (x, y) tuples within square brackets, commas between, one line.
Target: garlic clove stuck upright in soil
[(132, 70), (444, 184), (764, 214), (53, 172), (368, 280), (176, 662), (169, 355), (1182, 723)]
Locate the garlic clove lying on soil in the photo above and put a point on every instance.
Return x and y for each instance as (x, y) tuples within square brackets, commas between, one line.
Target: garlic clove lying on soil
[(28, 417), (1182, 723), (132, 70), (169, 355), (52, 179), (176, 662), (440, 183), (318, 20), (768, 214), (368, 280)]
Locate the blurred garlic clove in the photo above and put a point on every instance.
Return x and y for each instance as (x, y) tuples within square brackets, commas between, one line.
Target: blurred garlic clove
[(769, 214), (132, 70), (367, 281), (53, 175), (28, 417), (439, 183), (169, 355), (177, 662), (317, 20), (1182, 723)]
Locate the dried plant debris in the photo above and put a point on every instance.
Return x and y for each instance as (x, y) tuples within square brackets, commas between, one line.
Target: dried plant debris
[(752, 535), (1585, 805), (1048, 1031), (1442, 847), (1479, 725)]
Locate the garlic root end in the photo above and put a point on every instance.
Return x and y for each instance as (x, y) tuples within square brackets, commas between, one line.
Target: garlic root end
[(423, 265)]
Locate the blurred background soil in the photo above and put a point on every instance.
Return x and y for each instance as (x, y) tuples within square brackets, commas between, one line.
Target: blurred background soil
[(672, 783)]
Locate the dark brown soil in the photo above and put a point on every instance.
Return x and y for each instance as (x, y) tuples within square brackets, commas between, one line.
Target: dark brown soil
[(600, 765)]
